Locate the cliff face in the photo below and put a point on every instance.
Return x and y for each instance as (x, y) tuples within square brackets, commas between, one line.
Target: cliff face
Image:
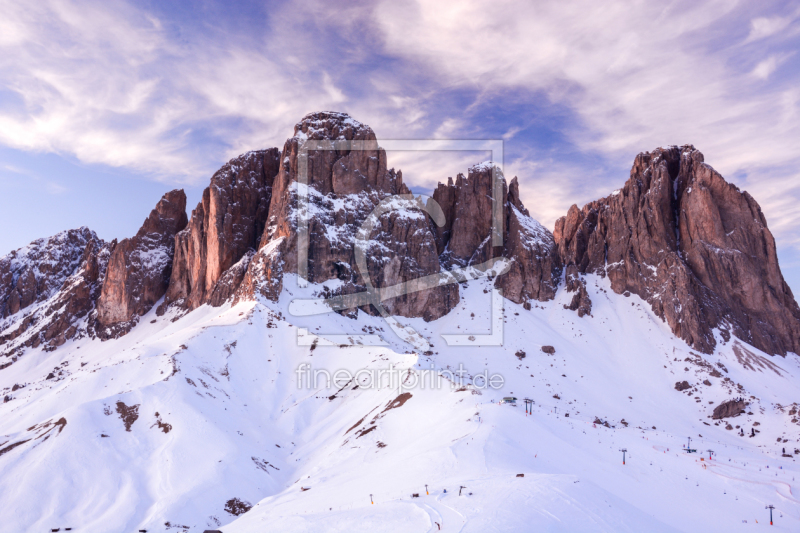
[(74, 284), (466, 236), (139, 269), (694, 246), (227, 222)]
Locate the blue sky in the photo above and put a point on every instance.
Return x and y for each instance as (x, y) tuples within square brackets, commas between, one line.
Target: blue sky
[(106, 105)]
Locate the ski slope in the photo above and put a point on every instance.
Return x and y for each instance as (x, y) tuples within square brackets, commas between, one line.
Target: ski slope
[(86, 449)]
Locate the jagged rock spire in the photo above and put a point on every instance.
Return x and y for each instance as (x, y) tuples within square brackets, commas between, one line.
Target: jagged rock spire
[(225, 225), (139, 269), (466, 237)]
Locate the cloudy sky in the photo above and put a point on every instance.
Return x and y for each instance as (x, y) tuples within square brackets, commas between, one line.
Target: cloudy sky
[(106, 105)]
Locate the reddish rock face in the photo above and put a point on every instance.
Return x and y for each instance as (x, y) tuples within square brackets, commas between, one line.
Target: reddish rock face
[(64, 313), (342, 186), (230, 281), (226, 224), (466, 237), (359, 177), (264, 273), (535, 270), (694, 246), (139, 270), (471, 223)]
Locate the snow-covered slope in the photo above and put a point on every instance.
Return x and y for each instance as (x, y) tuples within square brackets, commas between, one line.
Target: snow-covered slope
[(181, 425)]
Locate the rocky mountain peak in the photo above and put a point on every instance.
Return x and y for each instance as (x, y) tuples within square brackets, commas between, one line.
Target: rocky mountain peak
[(35, 272), (139, 269), (693, 245), (344, 179), (332, 125), (48, 289), (470, 203), (225, 225), (466, 238), (346, 158), (168, 214), (344, 184)]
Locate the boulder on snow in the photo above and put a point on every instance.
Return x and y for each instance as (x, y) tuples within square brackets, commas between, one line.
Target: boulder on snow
[(548, 349), (237, 507), (682, 385), (729, 409)]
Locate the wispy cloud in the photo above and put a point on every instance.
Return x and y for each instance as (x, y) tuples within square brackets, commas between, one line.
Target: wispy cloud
[(42, 184), (591, 84), (765, 68), (763, 27), (110, 84), (636, 76)]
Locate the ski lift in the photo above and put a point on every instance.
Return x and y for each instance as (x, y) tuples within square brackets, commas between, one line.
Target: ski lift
[(528, 406)]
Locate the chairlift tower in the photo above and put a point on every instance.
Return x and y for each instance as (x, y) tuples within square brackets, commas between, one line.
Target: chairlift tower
[(689, 446), (624, 451), (770, 507), (528, 406)]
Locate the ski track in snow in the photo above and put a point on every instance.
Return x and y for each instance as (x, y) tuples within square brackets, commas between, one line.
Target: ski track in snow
[(225, 381)]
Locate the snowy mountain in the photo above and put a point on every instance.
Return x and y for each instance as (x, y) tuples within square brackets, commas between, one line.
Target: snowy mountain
[(316, 349)]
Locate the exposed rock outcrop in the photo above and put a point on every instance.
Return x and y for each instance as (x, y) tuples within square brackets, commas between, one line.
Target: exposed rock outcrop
[(466, 237), (52, 287), (580, 300), (729, 409), (139, 269), (681, 386), (694, 246), (227, 222), (230, 281)]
